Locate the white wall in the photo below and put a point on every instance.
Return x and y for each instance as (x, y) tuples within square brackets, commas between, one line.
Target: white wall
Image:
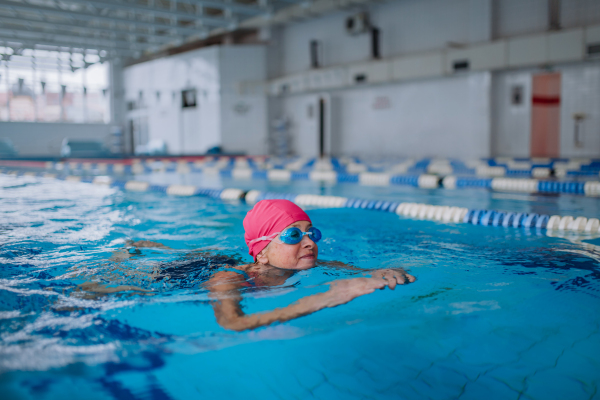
[(217, 74), (580, 93), (579, 12), (200, 127), (406, 26), (452, 116), (185, 131), (511, 123), (44, 139), (444, 117), (520, 17), (243, 107)]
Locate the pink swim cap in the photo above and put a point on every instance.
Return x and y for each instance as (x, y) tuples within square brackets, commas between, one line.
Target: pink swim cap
[(268, 217)]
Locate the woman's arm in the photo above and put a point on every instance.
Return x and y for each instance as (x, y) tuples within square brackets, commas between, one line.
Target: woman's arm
[(394, 276), (225, 288)]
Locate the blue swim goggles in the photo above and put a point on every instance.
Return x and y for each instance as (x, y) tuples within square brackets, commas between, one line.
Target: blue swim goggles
[(292, 235)]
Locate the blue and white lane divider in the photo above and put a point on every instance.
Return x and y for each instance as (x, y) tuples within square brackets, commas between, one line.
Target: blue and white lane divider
[(496, 167), (243, 169), (424, 181), (410, 210), (427, 181), (441, 213), (589, 188), (175, 190)]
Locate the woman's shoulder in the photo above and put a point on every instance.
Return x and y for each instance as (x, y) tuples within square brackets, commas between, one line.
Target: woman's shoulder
[(233, 273)]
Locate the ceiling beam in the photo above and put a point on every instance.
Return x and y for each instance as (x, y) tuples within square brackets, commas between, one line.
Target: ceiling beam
[(38, 67), (50, 36), (90, 16), (299, 11), (11, 37), (110, 53), (123, 5), (48, 63), (87, 28), (234, 7)]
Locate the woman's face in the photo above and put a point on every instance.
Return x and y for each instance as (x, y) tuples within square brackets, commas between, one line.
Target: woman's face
[(291, 256)]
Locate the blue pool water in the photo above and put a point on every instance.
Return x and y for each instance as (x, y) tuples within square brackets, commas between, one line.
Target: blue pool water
[(495, 312)]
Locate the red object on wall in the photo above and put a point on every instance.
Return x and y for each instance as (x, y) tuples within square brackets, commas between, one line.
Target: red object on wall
[(545, 115)]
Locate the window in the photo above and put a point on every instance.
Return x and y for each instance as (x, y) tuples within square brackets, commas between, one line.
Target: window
[(188, 98), (51, 86)]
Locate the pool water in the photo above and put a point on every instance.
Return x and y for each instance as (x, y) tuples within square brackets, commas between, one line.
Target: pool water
[(495, 312)]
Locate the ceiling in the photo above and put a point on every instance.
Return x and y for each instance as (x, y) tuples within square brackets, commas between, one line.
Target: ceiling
[(124, 28)]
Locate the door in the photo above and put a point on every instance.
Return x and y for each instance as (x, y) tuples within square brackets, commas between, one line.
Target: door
[(327, 122), (321, 126), (545, 115)]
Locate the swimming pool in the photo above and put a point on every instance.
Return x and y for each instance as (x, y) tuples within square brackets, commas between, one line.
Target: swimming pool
[(495, 312)]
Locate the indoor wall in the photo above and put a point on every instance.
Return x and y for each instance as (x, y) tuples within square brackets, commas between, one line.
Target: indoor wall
[(460, 115), (579, 96), (228, 113), (44, 139), (444, 117)]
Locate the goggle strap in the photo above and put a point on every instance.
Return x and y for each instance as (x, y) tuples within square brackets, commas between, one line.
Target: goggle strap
[(273, 235), (270, 237)]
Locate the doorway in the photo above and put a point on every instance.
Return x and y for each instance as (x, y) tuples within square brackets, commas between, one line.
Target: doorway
[(545, 115), (321, 123)]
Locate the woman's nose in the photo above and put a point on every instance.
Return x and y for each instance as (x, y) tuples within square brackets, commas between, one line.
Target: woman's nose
[(307, 242)]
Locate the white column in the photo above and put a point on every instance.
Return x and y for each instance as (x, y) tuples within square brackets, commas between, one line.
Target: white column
[(117, 100)]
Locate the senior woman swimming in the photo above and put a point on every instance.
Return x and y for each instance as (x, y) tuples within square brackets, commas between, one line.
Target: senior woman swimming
[(282, 241)]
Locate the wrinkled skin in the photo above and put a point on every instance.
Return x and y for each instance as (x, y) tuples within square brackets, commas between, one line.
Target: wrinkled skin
[(273, 266)]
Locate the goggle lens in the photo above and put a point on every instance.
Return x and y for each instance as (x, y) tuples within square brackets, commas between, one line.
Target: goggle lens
[(294, 235), (314, 234)]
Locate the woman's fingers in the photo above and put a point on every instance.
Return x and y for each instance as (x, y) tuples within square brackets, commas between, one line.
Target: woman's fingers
[(391, 278), (380, 283), (348, 289), (401, 277)]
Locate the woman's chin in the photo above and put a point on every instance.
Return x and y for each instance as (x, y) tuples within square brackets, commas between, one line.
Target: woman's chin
[(305, 263)]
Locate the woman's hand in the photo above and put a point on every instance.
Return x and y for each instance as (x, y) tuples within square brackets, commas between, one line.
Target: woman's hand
[(345, 290), (393, 277), (225, 289)]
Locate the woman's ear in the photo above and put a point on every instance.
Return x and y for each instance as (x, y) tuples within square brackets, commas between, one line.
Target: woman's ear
[(262, 257)]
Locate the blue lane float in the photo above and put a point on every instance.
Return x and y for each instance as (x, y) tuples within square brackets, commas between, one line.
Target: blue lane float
[(480, 217), (511, 174), (510, 167)]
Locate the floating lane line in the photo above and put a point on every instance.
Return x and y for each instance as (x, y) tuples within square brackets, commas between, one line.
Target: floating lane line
[(421, 211), (136, 186), (494, 167), (242, 169), (523, 185)]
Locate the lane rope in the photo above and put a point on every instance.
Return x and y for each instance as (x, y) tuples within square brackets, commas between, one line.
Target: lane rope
[(421, 211)]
